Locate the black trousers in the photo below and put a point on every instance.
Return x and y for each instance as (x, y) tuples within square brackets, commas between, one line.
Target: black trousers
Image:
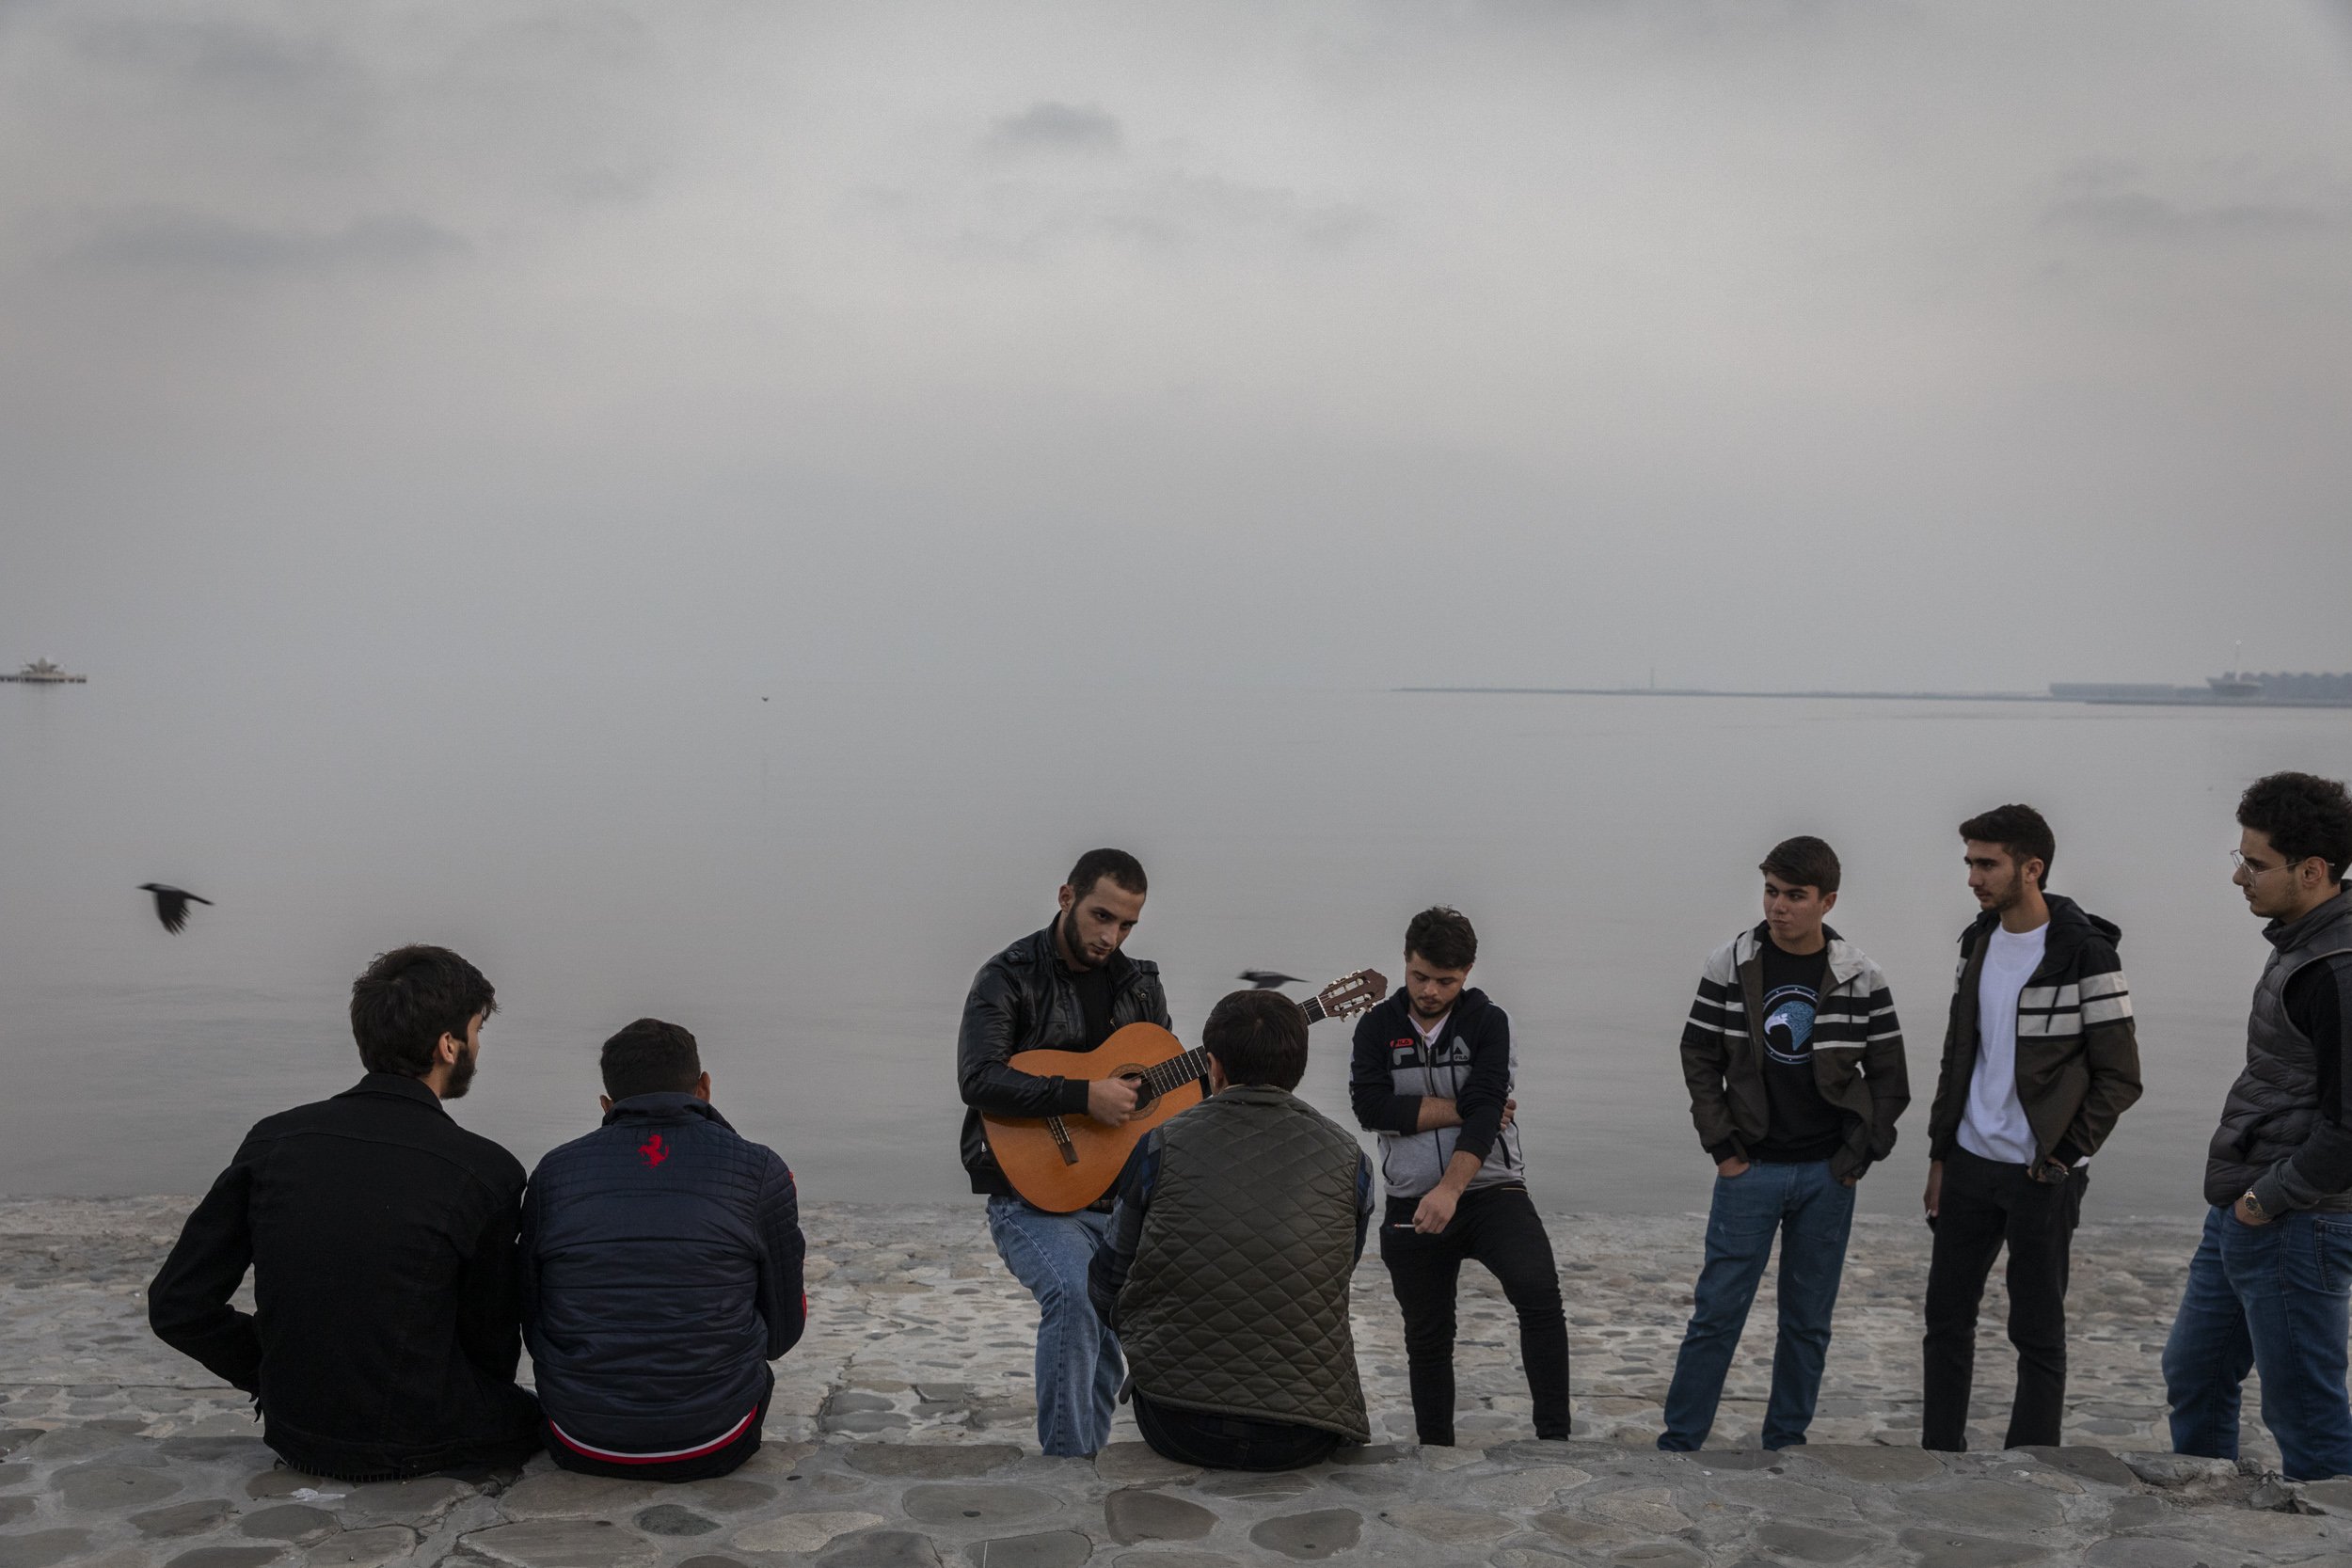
[(1987, 1204), (701, 1466), (1499, 1227), (1230, 1442)]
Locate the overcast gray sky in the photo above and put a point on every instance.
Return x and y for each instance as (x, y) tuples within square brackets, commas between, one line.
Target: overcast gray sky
[(1964, 345)]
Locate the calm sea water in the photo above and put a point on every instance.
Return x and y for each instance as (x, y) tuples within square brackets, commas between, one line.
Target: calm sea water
[(808, 882)]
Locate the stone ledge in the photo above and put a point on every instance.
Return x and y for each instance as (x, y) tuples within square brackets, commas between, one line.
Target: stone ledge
[(858, 1504), (119, 1452)]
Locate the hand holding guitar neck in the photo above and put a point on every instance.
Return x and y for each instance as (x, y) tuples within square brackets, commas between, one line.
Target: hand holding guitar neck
[(1135, 1080)]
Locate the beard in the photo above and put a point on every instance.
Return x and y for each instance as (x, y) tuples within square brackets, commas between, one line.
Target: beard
[(1080, 957), (461, 1075)]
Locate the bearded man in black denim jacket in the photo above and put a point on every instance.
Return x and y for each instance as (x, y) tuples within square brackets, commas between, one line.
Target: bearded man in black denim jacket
[(382, 1240)]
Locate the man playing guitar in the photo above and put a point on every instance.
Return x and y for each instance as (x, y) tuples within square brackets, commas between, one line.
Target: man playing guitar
[(1066, 987)]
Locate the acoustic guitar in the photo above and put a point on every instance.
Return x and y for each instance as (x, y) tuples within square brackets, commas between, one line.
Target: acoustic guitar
[(1064, 1163)]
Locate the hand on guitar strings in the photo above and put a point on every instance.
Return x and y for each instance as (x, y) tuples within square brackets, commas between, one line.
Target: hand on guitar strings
[(1112, 1100)]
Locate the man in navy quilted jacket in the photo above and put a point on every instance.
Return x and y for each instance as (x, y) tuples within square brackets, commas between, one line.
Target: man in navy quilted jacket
[(662, 1274)]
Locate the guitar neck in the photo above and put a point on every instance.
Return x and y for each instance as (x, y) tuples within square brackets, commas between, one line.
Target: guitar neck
[(1179, 1071)]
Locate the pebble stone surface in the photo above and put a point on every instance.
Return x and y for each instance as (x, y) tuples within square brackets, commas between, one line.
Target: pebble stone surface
[(902, 1436)]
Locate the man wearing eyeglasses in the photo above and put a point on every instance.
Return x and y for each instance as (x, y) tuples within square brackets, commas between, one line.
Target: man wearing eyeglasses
[(2269, 1286)]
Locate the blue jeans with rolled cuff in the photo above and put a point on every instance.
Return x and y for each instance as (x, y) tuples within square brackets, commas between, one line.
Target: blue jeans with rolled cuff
[(2276, 1297), (1079, 1365), (1812, 1212)]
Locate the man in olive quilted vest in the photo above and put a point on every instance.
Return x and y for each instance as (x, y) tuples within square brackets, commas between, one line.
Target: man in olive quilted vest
[(1226, 1270)]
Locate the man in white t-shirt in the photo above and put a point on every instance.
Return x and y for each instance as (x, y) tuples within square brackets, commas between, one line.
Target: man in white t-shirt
[(2040, 1060), (1994, 1125)]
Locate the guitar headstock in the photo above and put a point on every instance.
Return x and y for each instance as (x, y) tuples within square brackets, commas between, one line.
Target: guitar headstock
[(1352, 993)]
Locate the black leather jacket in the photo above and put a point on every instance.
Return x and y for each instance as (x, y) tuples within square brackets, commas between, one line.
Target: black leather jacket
[(1021, 1000)]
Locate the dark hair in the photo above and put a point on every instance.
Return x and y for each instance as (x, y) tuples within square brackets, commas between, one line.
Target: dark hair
[(2302, 816), (1803, 862), (1258, 1037), (408, 999), (2018, 829), (1118, 866), (1445, 937), (650, 1057)]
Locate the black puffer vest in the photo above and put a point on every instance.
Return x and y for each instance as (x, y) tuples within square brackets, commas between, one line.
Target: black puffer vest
[(1237, 1303), (2271, 1107)]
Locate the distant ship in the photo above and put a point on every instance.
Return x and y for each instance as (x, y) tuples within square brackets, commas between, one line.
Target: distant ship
[(41, 672)]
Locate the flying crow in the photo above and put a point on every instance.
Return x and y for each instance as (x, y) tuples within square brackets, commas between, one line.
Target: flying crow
[(171, 903), (1267, 979)]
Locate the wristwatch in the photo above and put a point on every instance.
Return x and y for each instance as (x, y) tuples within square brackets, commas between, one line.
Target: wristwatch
[(2254, 1205)]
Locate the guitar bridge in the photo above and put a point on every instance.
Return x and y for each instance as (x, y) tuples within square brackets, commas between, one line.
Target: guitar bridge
[(1061, 1140)]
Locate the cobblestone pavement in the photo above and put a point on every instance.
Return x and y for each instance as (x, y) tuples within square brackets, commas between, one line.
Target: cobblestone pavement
[(901, 1433)]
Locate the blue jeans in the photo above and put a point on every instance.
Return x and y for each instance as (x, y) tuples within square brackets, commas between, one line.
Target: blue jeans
[(1079, 1365), (1812, 1211), (2274, 1297)]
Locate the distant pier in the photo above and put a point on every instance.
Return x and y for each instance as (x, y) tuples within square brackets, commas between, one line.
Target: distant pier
[(2231, 690), (1704, 692)]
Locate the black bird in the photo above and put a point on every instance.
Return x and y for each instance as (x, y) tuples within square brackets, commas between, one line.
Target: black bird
[(1267, 979), (171, 903)]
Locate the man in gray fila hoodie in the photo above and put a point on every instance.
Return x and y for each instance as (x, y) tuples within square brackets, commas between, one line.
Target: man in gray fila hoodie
[(1432, 1074)]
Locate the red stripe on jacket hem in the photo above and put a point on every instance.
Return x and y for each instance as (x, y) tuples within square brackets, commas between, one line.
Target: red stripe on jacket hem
[(613, 1456)]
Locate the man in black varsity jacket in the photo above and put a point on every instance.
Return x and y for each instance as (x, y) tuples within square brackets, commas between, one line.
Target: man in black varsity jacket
[(1794, 1062), (1432, 1074), (2040, 1059)]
